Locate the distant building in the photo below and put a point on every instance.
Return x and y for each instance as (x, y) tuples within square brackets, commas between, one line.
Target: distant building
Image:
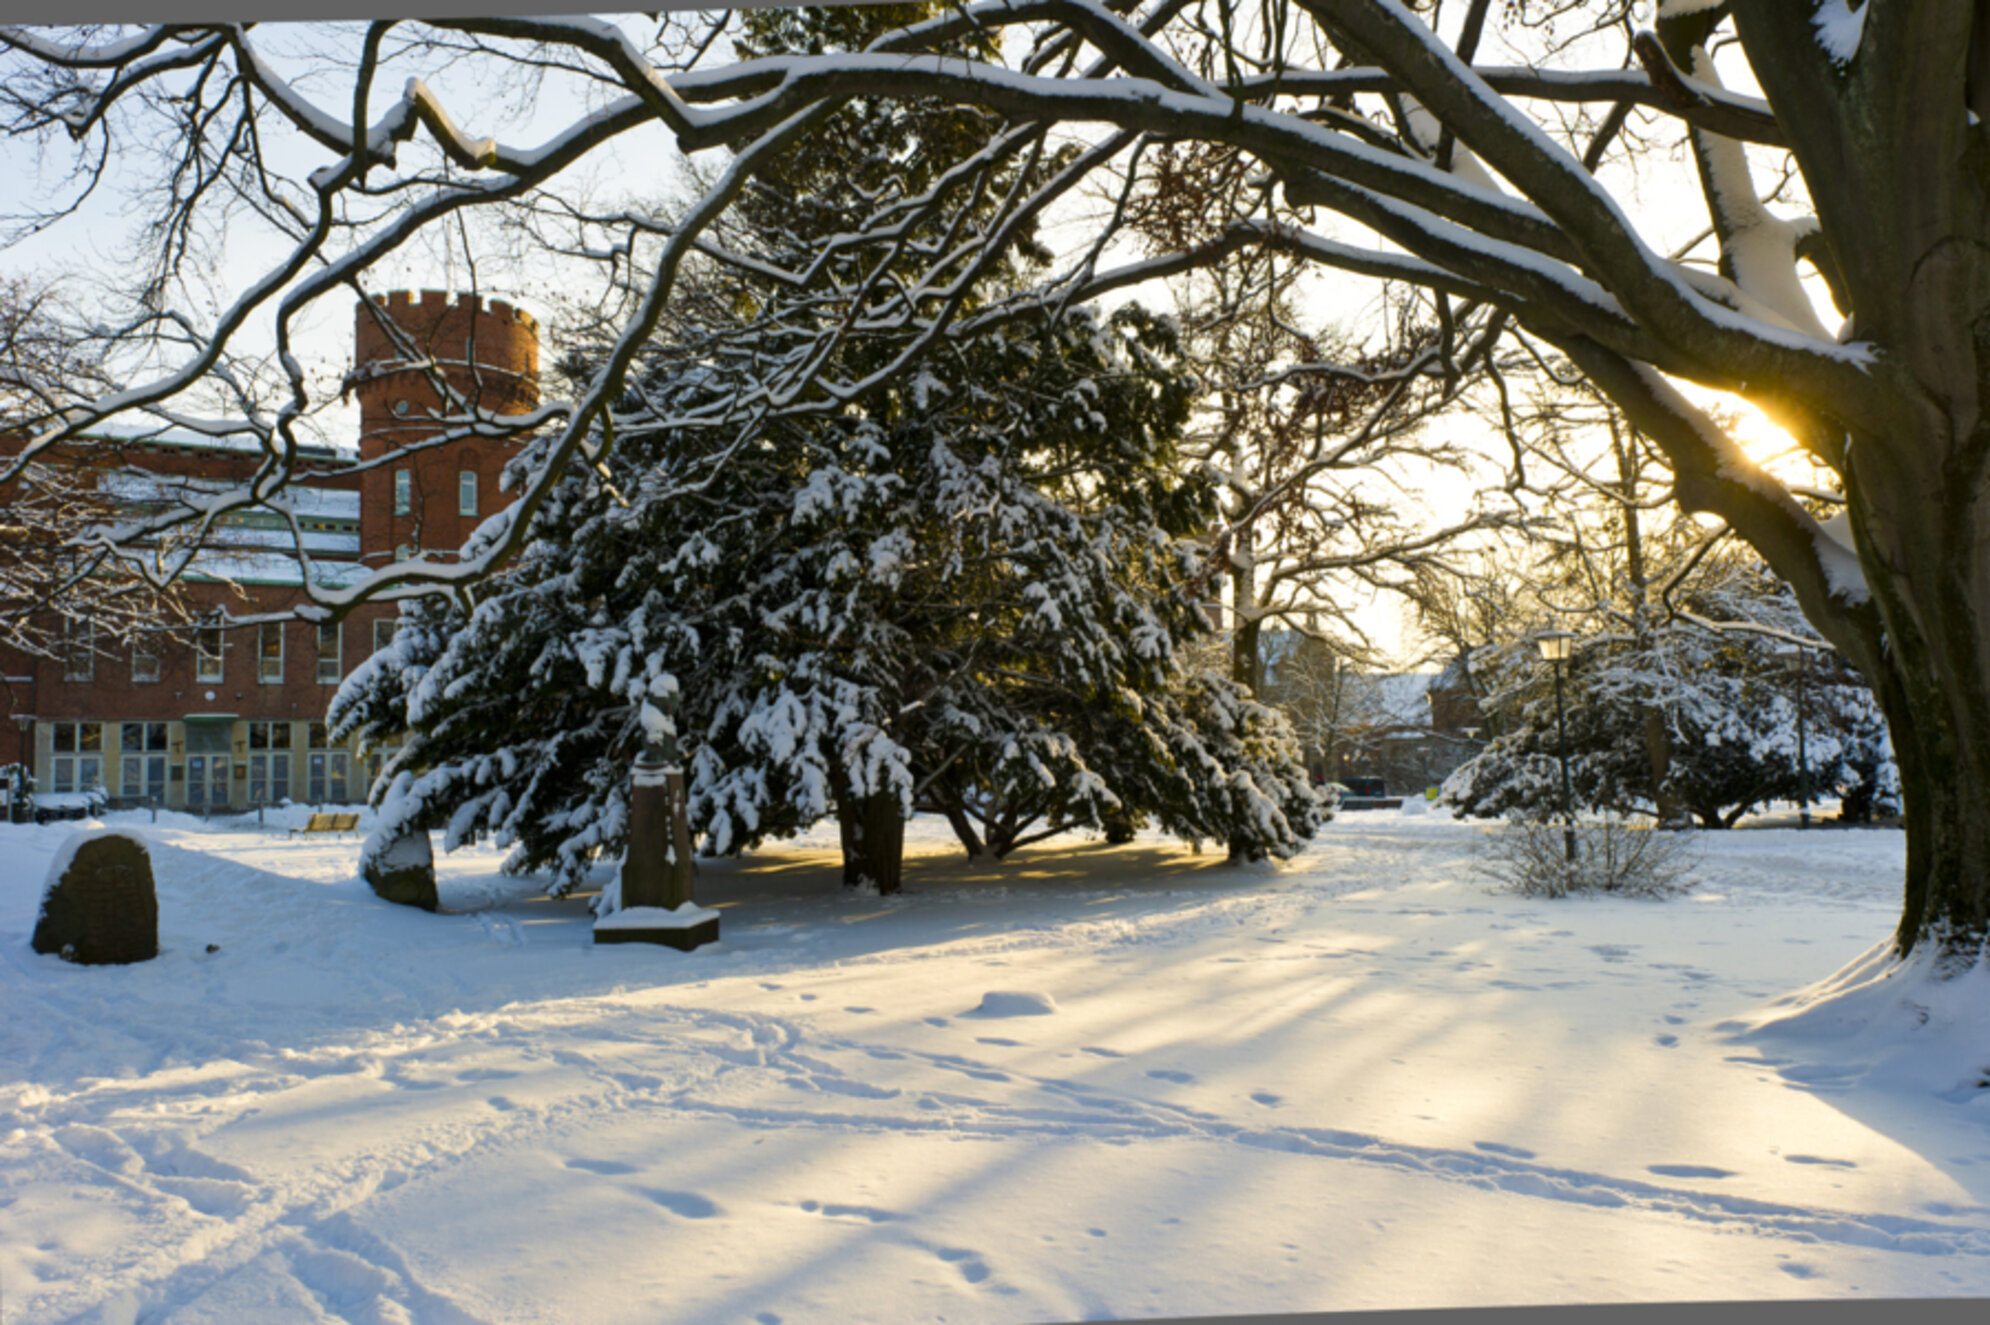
[(226, 719), (1411, 729)]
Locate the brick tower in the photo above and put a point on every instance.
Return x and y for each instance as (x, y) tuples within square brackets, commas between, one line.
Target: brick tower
[(485, 349)]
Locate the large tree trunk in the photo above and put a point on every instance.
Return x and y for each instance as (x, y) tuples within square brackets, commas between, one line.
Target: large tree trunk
[(1936, 696), (1904, 198)]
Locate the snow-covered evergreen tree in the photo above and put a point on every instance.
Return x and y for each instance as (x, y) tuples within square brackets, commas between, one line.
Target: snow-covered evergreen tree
[(970, 594)]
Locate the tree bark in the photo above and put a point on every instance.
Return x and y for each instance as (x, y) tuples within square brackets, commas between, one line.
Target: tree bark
[(963, 827), (873, 842)]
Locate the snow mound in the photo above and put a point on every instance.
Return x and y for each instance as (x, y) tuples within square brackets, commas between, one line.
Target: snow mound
[(1012, 1003), (1901, 1021), (656, 917)]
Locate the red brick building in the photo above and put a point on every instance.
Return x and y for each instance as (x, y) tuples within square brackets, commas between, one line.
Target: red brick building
[(231, 718)]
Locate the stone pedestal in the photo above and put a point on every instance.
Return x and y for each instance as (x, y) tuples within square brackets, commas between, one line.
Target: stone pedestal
[(656, 871), (99, 907), (688, 926)]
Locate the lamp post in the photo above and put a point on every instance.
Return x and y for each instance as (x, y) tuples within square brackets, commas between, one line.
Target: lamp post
[(1798, 657), (1554, 646)]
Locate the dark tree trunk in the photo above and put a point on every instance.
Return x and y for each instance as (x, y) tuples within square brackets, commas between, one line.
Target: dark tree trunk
[(873, 842)]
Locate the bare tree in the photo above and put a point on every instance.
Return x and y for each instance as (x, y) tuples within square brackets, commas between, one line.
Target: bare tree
[(1393, 153), (54, 601)]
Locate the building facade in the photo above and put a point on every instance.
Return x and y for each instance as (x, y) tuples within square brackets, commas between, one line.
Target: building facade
[(219, 718)]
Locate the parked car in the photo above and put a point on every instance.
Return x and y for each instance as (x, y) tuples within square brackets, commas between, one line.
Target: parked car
[(1367, 794)]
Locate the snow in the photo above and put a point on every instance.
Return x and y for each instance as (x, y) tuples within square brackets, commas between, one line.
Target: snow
[(1355, 1080), (1014, 1003), (1840, 28), (684, 916), (65, 854)]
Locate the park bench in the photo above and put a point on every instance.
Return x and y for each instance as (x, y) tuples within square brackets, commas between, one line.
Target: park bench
[(329, 823)]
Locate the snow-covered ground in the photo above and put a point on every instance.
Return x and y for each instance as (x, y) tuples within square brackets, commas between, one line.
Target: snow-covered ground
[(1356, 1080)]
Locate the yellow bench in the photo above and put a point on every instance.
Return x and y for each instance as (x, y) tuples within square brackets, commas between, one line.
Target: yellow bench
[(329, 823)]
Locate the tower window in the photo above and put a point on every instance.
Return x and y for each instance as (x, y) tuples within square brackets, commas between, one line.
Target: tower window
[(466, 492), (404, 492)]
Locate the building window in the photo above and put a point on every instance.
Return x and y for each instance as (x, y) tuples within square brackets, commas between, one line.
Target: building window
[(207, 654), (269, 762), (383, 632), (402, 552), (144, 659), (143, 777), (466, 492), (79, 755), (404, 492), (269, 652), (328, 654), (79, 654), (325, 769)]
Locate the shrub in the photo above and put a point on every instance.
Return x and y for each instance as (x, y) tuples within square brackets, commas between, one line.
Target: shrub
[(1612, 856)]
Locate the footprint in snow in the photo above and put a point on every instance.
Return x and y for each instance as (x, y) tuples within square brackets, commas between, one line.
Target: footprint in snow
[(1819, 1159), (1169, 1074), (860, 1011), (607, 1168), (998, 1041), (1798, 1270), (936, 1021), (1097, 1052), (1688, 1171), (1501, 1148), (1266, 1098), (486, 1074), (685, 1205), (1665, 1041), (971, 1266), (834, 1210)]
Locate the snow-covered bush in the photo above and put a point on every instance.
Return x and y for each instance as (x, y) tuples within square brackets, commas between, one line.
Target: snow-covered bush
[(1531, 857)]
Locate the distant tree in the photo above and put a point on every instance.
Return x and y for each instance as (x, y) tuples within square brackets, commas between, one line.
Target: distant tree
[(56, 599), (1728, 701)]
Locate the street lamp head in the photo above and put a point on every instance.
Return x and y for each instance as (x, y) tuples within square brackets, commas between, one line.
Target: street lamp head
[(1554, 644), (24, 720)]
